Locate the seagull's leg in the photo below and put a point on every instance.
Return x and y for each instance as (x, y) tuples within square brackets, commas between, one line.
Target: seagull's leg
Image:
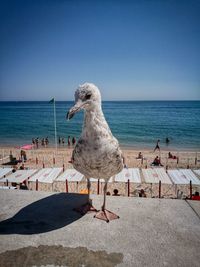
[(87, 207), (104, 196), (105, 214), (88, 187), (89, 202)]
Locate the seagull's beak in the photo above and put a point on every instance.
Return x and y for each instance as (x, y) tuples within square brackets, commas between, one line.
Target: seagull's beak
[(78, 106)]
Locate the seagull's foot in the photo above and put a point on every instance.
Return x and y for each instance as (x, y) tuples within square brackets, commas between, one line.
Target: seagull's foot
[(106, 215), (86, 208)]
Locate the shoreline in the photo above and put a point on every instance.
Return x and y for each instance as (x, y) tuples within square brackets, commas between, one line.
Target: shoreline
[(123, 147)]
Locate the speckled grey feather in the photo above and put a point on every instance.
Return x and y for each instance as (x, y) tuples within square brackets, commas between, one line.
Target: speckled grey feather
[(97, 153)]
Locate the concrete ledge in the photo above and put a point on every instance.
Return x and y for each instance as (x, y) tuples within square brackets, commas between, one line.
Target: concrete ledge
[(150, 232), (195, 205)]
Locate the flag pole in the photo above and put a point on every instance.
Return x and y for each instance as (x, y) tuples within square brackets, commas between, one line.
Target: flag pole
[(54, 102)]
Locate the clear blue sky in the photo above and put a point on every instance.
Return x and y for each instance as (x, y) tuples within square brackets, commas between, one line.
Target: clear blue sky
[(132, 50)]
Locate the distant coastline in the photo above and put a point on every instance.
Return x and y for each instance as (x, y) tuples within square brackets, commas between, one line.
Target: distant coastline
[(65, 101)]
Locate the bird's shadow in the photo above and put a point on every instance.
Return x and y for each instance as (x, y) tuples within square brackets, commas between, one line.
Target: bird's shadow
[(47, 214)]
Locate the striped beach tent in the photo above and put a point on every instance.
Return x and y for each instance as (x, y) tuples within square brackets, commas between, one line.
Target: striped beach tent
[(71, 175), (46, 175), (4, 172), (197, 172), (154, 175), (19, 176), (131, 174), (183, 176)]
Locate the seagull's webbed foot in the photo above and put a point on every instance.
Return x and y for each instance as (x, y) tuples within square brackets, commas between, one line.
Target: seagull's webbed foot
[(86, 208), (106, 215)]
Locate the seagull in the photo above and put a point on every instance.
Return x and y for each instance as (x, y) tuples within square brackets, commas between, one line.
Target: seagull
[(97, 153)]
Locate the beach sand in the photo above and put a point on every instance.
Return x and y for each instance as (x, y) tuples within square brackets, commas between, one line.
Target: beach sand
[(47, 157)]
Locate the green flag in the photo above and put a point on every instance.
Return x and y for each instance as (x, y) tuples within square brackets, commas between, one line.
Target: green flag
[(52, 101)]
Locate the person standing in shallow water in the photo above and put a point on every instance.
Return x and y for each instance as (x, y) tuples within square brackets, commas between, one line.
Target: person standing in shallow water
[(73, 141), (68, 141), (59, 140), (63, 141), (167, 141), (157, 146)]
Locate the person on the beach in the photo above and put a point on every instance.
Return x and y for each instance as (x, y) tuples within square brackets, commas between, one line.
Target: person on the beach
[(196, 196), (124, 162), (21, 167), (157, 146), (14, 169), (42, 142), (170, 156), (59, 140), (11, 157), (23, 186), (47, 141), (33, 142), (142, 193), (73, 141), (37, 142), (23, 155), (63, 141), (68, 140), (139, 155), (156, 162), (115, 191)]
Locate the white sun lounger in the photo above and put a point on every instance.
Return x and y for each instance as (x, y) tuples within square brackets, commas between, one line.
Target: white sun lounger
[(4, 172), (46, 175), (183, 176), (71, 175), (177, 177), (153, 176), (197, 172), (19, 176), (133, 174), (190, 176)]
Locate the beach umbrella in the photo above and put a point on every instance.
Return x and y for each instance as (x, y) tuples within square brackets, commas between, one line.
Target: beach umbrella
[(27, 147)]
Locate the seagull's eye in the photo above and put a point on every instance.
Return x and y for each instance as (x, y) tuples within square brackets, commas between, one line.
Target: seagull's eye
[(88, 96)]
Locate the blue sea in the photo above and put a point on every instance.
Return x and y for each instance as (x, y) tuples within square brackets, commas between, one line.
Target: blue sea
[(136, 124)]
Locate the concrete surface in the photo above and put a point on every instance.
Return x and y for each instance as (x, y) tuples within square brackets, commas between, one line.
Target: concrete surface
[(195, 205), (41, 229)]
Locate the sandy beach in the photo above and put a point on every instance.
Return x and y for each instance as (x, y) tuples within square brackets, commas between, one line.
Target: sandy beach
[(47, 157)]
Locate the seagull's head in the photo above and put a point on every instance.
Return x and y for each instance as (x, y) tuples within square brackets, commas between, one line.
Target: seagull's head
[(87, 96)]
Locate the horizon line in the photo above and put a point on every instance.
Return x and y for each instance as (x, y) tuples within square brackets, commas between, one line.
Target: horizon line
[(147, 100)]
